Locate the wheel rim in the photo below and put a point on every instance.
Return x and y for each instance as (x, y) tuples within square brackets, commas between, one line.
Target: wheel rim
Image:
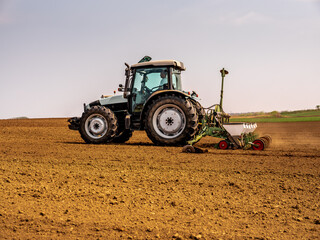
[(169, 121), (259, 143), (96, 126), (223, 145)]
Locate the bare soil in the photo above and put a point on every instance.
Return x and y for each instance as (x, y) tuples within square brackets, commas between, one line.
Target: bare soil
[(53, 186)]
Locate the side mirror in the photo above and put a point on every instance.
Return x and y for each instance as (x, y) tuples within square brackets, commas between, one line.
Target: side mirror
[(125, 89), (127, 71)]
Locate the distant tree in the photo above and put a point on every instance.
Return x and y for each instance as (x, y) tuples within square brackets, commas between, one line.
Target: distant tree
[(318, 107), (275, 114)]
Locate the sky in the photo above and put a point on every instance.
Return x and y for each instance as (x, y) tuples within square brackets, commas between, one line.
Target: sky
[(56, 55)]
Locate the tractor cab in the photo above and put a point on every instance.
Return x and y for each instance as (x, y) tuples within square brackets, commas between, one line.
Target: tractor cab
[(148, 78)]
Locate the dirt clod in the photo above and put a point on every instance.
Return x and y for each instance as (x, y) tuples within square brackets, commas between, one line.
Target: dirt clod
[(196, 237)]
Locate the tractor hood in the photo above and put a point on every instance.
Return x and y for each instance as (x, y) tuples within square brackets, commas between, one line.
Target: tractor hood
[(112, 100)]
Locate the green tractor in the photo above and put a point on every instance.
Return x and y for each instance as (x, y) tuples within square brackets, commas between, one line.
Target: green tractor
[(152, 100)]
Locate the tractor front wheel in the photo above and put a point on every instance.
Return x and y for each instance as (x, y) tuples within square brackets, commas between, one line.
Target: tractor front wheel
[(171, 120), (98, 125)]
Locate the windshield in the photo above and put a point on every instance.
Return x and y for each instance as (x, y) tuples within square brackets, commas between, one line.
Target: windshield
[(150, 80)]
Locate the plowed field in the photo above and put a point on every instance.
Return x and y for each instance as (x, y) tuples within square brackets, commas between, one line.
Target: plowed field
[(55, 186)]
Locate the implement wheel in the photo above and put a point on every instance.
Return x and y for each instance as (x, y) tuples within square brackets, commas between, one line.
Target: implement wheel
[(258, 145), (192, 149), (267, 140), (223, 144), (188, 149)]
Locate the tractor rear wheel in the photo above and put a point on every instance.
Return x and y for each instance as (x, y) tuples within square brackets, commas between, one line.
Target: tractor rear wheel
[(200, 111), (98, 125), (201, 114), (171, 120), (124, 136)]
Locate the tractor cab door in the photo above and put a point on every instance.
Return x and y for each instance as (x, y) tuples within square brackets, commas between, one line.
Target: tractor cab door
[(146, 81)]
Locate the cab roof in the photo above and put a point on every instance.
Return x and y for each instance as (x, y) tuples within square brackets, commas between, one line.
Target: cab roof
[(160, 63)]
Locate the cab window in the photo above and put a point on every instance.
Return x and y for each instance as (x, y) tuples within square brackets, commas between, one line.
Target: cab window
[(149, 80), (176, 79)]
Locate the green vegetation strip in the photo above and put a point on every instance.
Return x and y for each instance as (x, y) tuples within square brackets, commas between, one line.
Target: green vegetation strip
[(275, 116), (302, 113), (276, 119)]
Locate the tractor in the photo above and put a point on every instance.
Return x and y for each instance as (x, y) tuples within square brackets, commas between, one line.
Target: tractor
[(152, 100)]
